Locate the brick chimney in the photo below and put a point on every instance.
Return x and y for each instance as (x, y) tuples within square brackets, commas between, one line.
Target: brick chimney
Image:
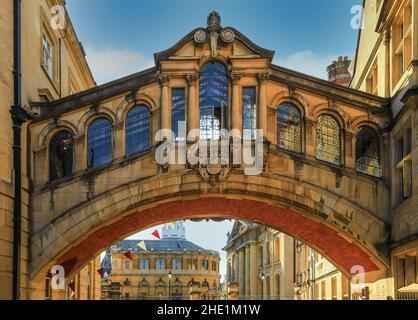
[(338, 71)]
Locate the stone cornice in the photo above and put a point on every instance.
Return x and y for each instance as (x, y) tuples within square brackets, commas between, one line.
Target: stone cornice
[(95, 94), (330, 90)]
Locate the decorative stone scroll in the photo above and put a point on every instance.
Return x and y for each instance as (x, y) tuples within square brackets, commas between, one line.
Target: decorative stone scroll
[(213, 33)]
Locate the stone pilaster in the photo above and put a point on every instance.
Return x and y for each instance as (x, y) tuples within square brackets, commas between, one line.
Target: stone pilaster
[(247, 272), (165, 105), (263, 77), (254, 277), (236, 114), (241, 272), (192, 106)]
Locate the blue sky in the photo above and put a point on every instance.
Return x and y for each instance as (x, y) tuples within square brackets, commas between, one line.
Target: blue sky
[(120, 38)]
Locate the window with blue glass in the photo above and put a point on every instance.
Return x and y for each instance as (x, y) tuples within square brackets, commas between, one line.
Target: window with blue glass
[(99, 143), (249, 113), (289, 126), (138, 130), (178, 114), (213, 100)]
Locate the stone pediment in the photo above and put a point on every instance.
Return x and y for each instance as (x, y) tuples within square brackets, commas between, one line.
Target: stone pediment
[(214, 41)]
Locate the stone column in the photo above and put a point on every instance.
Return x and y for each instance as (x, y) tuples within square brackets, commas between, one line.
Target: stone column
[(254, 277), (247, 272), (236, 266), (165, 105), (192, 106), (262, 102), (241, 272), (236, 114)]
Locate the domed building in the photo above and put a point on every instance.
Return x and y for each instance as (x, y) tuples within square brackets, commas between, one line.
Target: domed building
[(171, 269)]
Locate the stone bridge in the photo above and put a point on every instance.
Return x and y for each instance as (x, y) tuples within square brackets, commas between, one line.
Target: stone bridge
[(324, 174)]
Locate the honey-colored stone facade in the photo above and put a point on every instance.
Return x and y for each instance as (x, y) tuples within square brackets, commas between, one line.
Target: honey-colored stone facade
[(388, 52), (259, 263), (191, 281), (343, 214), (36, 86)]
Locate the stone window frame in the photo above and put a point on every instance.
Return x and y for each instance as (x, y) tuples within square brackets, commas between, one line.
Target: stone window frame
[(49, 33), (341, 126)]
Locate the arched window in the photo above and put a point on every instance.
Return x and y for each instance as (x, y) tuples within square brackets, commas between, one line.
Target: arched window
[(99, 143), (213, 100), (368, 152), (328, 140), (138, 130), (289, 126), (61, 152)]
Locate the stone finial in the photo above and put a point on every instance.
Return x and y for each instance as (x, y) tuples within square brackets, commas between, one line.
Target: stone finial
[(214, 19)]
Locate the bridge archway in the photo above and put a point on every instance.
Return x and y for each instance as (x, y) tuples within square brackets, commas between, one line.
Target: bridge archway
[(304, 213)]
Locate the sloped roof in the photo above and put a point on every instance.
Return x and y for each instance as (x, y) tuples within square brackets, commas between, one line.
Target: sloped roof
[(163, 246)]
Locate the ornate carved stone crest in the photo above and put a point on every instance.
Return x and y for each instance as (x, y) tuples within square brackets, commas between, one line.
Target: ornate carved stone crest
[(214, 174), (213, 33)]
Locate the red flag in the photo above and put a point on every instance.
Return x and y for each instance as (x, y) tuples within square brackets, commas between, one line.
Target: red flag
[(129, 255), (72, 286), (156, 234), (101, 272)]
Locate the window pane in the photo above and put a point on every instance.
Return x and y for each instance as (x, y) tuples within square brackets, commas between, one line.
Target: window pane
[(249, 113), (138, 130), (289, 128), (328, 144), (213, 100), (61, 156), (99, 143), (367, 152), (177, 112)]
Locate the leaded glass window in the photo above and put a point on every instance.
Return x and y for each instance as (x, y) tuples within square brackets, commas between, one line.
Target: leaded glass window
[(178, 113), (249, 113), (99, 143), (367, 152), (138, 130), (213, 100), (61, 152), (289, 126), (328, 140)]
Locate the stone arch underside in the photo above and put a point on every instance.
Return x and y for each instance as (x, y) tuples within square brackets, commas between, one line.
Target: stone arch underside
[(303, 212)]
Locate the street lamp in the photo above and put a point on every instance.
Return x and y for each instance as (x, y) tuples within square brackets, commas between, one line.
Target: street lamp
[(170, 275), (262, 277)]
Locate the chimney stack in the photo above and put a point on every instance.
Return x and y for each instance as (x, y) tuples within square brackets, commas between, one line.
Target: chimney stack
[(338, 71)]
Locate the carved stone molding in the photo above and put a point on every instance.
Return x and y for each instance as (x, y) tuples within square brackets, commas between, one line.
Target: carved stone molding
[(227, 35), (235, 77), (215, 174), (263, 76), (192, 78), (213, 33), (200, 37), (164, 79)]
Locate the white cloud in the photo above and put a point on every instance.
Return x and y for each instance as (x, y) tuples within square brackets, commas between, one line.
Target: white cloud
[(111, 63), (308, 62)]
